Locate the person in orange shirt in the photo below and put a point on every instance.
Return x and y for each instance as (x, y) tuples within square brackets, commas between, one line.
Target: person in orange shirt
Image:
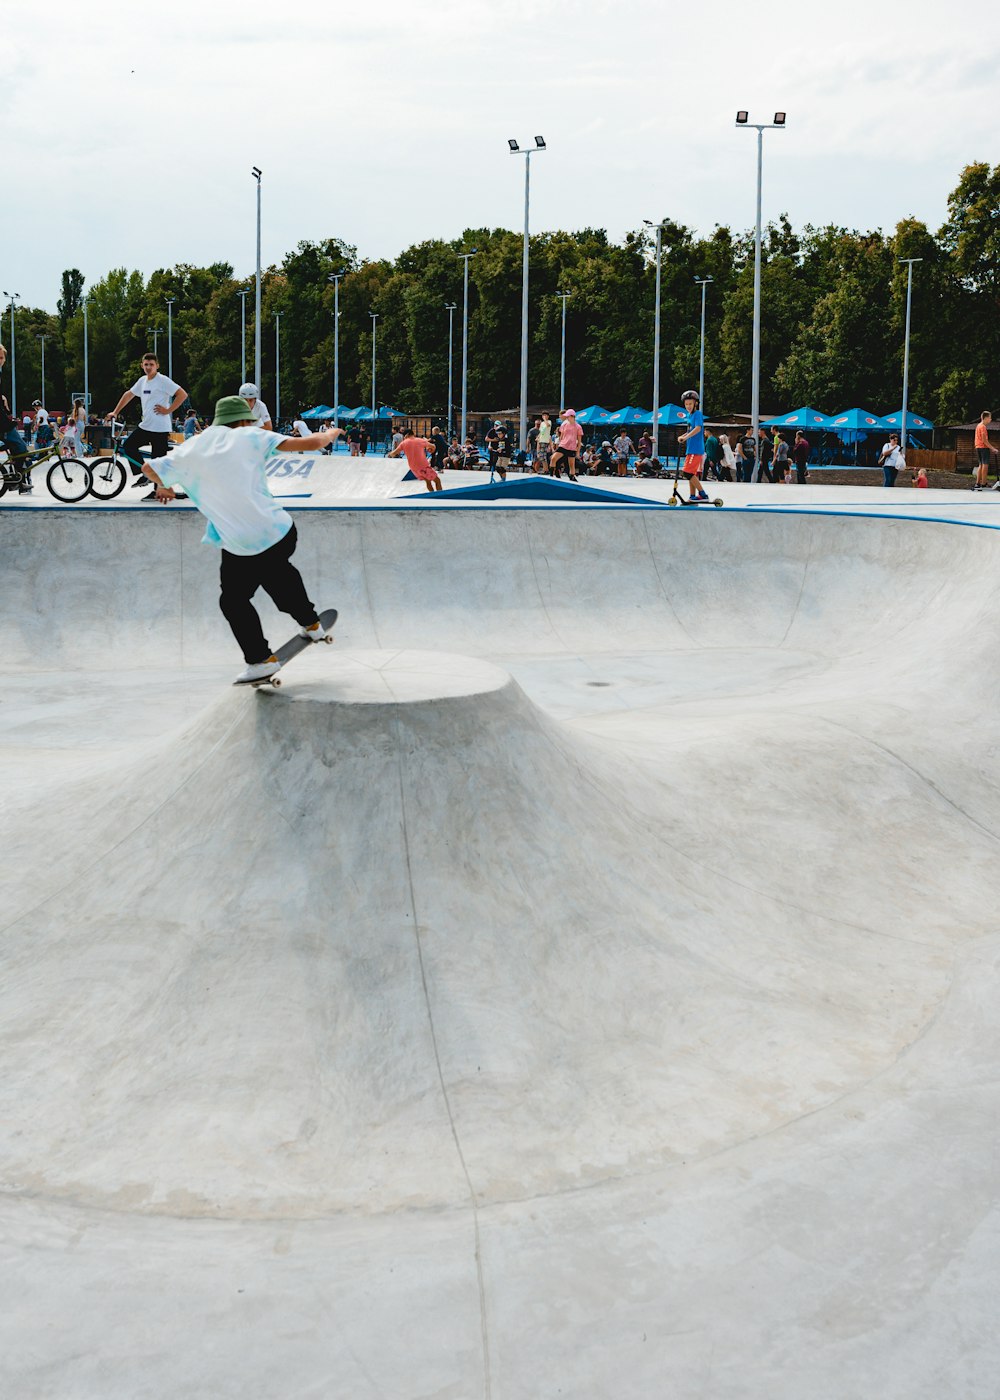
[(417, 452), (983, 450)]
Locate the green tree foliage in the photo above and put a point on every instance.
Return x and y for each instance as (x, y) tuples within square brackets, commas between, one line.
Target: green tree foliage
[(833, 308)]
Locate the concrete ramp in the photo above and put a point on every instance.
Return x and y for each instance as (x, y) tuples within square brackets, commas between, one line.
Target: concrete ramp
[(338, 477), (580, 979)]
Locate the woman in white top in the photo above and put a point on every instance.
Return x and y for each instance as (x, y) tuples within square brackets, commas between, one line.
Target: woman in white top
[(728, 457)]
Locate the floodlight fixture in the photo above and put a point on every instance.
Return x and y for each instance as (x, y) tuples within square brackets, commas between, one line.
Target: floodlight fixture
[(256, 172), (742, 118), (513, 145), (779, 119), (540, 142)]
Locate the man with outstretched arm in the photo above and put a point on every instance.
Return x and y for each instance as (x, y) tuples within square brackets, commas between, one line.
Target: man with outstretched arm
[(223, 471)]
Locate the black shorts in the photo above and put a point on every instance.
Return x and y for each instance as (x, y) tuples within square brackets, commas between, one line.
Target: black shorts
[(983, 454), (566, 452)]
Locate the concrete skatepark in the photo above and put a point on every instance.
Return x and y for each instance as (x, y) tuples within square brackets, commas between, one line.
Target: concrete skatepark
[(579, 980)]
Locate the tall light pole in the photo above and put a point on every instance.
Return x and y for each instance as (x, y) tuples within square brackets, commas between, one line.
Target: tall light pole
[(86, 359), (742, 119), (702, 282), (14, 298), (465, 338), (43, 339), (515, 150), (335, 277), (374, 316), (656, 335), (564, 296), (155, 332), (256, 172), (906, 347), (277, 366), (242, 294), (170, 336), (451, 307)]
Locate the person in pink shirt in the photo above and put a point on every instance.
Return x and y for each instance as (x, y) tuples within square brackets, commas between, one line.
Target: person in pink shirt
[(570, 438), (416, 451)]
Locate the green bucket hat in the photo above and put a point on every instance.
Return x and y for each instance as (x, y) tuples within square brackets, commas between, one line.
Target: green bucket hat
[(231, 409)]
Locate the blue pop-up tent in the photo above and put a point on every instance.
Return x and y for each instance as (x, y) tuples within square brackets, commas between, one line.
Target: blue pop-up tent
[(801, 418), (321, 410), (630, 417), (594, 414), (857, 420), (913, 420), (670, 415)]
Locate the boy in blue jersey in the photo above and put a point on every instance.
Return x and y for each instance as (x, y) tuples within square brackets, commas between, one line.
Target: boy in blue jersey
[(694, 440), (223, 471)]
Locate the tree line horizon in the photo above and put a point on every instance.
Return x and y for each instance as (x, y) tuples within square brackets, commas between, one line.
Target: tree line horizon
[(832, 319)]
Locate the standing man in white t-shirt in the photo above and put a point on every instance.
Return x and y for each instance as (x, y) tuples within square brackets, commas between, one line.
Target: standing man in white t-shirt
[(160, 397), (258, 408)]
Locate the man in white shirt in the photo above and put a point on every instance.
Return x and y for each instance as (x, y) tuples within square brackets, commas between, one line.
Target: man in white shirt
[(223, 471), (258, 408), (301, 427), (160, 397), (41, 417)]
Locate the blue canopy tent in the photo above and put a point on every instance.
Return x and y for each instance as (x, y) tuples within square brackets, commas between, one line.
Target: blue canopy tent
[(800, 418), (855, 425), (321, 410), (386, 413), (594, 414), (671, 415), (630, 417), (913, 421)]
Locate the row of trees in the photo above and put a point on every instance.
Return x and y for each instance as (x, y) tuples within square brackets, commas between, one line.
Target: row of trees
[(832, 319)]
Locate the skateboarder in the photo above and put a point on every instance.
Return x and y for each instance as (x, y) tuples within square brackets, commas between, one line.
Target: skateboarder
[(415, 450), (223, 472), (694, 441)]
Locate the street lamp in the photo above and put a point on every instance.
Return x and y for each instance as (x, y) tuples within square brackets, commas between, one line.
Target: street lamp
[(86, 359), (451, 307), (155, 332), (656, 336), (465, 336), (515, 150), (170, 336), (14, 297), (374, 315), (702, 282), (743, 119), (43, 339), (335, 277), (277, 366), (564, 297), (256, 173), (242, 294), (906, 347)]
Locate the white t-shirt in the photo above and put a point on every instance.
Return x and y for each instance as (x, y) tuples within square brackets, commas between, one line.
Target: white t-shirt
[(892, 455), (260, 412), (301, 427), (41, 416), (150, 392), (223, 471)]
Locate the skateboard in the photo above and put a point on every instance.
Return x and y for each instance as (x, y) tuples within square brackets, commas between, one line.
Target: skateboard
[(292, 647)]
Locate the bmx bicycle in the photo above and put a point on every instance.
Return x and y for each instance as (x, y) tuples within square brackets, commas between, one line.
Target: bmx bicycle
[(67, 478)]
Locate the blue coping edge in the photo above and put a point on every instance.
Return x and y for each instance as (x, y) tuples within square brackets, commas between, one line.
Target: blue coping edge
[(677, 511), (538, 488)]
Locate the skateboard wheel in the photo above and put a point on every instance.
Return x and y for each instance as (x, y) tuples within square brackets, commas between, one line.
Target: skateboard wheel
[(275, 680), (717, 502)]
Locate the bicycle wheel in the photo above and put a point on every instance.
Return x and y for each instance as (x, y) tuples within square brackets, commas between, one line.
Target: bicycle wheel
[(107, 478), (68, 479)]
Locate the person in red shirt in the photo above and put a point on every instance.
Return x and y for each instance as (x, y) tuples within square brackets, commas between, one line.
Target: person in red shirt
[(983, 450), (416, 450)]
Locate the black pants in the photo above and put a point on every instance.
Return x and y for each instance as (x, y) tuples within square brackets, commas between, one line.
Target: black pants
[(156, 442), (240, 575)]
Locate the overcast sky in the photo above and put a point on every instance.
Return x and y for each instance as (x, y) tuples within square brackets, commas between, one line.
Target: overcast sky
[(130, 129)]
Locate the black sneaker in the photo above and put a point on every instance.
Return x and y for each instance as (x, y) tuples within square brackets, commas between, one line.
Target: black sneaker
[(142, 480)]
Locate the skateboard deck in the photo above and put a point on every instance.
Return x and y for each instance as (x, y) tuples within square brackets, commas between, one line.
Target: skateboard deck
[(293, 647)]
